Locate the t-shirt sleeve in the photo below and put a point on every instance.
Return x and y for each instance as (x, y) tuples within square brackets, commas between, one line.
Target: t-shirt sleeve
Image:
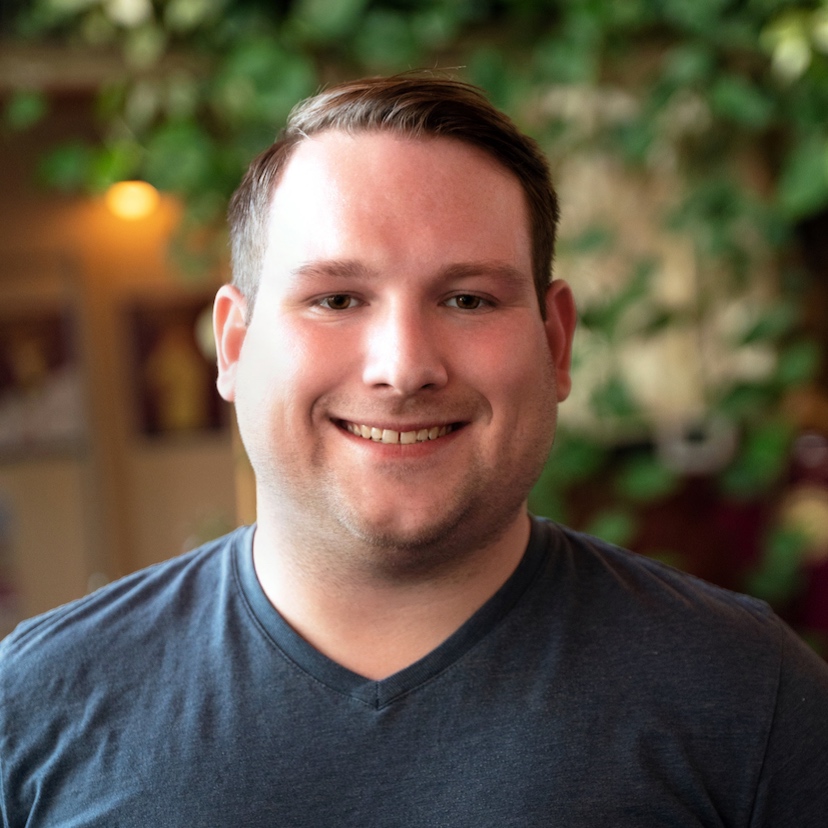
[(793, 783)]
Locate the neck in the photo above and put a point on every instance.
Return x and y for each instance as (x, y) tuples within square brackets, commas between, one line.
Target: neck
[(373, 624)]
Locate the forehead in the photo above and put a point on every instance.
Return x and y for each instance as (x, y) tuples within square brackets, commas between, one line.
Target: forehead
[(394, 180), (335, 153)]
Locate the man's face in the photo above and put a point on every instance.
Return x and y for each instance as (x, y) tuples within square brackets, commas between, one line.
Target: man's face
[(396, 384)]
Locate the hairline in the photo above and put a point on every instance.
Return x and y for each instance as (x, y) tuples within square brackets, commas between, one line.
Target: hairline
[(293, 142), (520, 158)]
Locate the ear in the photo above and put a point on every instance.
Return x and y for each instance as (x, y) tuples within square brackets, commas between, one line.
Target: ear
[(230, 329), (561, 318)]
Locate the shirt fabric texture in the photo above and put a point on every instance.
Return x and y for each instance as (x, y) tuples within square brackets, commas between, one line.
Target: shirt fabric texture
[(595, 688)]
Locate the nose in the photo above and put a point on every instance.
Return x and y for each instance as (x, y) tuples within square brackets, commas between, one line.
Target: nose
[(403, 351)]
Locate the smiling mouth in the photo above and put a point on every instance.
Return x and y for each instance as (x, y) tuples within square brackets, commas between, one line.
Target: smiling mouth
[(391, 437)]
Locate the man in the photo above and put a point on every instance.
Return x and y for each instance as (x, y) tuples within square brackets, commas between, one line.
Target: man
[(396, 642)]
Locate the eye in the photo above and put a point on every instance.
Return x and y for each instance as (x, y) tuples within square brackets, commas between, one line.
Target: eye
[(338, 301), (467, 301)]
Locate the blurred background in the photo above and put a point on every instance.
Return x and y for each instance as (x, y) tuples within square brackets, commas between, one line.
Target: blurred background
[(689, 143)]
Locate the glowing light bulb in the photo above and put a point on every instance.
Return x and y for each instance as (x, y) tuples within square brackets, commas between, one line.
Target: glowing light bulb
[(132, 199)]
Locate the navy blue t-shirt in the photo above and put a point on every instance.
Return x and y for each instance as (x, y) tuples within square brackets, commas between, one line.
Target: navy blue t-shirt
[(595, 688)]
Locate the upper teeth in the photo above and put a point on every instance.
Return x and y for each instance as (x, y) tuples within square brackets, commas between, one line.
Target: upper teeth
[(388, 435)]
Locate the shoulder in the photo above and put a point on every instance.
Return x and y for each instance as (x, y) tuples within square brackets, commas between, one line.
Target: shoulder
[(639, 617), (607, 580), (122, 614), (689, 672), (680, 633)]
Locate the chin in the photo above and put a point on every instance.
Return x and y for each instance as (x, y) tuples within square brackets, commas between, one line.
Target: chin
[(403, 545), (426, 547), (403, 535)]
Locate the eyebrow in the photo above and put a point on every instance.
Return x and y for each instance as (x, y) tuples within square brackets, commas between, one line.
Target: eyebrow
[(344, 269), (349, 269), (499, 270)]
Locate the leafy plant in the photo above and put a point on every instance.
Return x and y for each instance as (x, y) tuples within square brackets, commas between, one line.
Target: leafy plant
[(723, 99)]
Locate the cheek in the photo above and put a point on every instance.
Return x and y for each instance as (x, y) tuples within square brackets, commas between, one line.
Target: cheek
[(265, 367), (274, 350), (286, 367), (516, 372)]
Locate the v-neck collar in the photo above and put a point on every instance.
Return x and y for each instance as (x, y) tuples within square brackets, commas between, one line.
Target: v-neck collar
[(379, 694)]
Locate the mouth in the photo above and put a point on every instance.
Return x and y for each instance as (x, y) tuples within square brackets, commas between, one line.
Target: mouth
[(391, 437)]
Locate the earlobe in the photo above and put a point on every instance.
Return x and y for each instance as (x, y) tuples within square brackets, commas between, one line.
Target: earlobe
[(230, 329), (561, 318)]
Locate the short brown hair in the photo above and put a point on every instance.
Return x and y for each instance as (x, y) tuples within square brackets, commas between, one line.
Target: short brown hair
[(415, 105)]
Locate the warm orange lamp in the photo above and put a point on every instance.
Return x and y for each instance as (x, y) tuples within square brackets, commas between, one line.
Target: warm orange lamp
[(132, 199)]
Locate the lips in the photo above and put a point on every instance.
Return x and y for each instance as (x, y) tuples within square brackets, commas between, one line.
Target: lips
[(391, 437)]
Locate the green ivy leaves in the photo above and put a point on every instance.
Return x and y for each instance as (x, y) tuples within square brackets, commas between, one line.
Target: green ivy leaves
[(708, 86)]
